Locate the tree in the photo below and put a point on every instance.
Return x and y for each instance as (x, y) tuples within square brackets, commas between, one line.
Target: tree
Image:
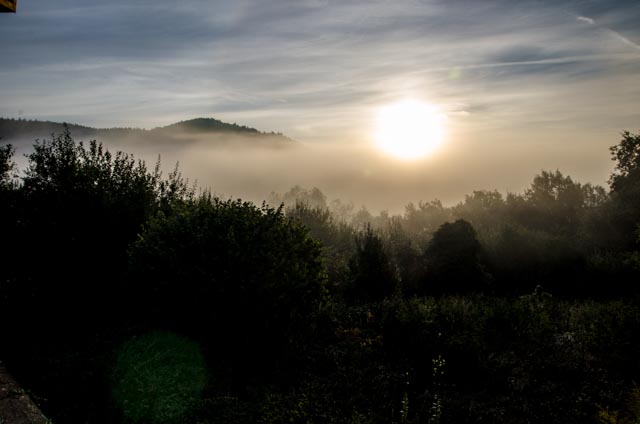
[(422, 221), (336, 236), (485, 209), (78, 208), (8, 217), (404, 256), (314, 198), (66, 232), (7, 166), (627, 157), (244, 281), (556, 202), (372, 276), (625, 188), (452, 260), (83, 206)]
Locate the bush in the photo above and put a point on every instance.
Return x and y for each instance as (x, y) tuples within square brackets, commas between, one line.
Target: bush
[(246, 281), (158, 378)]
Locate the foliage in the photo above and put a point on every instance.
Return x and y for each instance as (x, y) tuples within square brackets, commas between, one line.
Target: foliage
[(371, 275), (452, 260), (483, 209), (7, 165), (211, 262), (304, 316), (82, 206), (158, 378), (335, 236), (555, 202), (629, 415), (423, 220), (625, 188), (626, 154), (67, 226), (313, 198)]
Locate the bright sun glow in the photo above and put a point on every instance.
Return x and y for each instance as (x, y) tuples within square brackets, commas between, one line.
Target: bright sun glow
[(409, 129)]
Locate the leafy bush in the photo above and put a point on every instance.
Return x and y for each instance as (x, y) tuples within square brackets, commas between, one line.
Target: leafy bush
[(158, 378), (246, 281)]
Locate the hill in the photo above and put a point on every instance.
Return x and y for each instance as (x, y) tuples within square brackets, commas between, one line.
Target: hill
[(207, 125), (207, 130)]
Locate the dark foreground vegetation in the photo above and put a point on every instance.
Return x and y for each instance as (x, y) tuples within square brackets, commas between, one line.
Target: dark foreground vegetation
[(129, 297)]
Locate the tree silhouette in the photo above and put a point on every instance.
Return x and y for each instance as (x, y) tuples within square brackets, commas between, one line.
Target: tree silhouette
[(245, 281), (371, 276), (7, 166), (625, 187), (452, 260)]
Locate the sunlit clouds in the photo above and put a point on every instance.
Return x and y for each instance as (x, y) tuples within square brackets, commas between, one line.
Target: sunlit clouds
[(280, 64)]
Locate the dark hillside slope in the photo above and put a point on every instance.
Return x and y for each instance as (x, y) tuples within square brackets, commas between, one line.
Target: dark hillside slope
[(209, 130)]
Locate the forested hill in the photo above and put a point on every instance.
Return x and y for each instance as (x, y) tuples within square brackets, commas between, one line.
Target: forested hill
[(209, 125), (20, 128), (194, 130)]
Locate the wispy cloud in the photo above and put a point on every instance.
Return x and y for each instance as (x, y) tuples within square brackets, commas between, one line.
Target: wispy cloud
[(585, 19), (311, 57), (611, 32), (316, 69), (624, 39)]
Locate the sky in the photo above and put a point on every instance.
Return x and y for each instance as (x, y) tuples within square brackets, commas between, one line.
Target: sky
[(523, 86)]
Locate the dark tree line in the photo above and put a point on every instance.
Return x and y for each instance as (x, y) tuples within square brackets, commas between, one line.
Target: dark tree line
[(97, 249), (128, 296)]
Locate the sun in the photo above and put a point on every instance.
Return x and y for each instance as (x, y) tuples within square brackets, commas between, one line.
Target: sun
[(409, 129)]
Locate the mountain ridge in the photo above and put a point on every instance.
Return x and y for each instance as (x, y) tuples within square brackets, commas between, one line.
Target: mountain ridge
[(178, 132)]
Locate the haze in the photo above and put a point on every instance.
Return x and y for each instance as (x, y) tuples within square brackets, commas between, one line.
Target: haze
[(524, 86)]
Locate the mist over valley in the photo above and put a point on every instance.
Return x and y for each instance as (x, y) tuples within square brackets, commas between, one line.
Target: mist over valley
[(237, 161)]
